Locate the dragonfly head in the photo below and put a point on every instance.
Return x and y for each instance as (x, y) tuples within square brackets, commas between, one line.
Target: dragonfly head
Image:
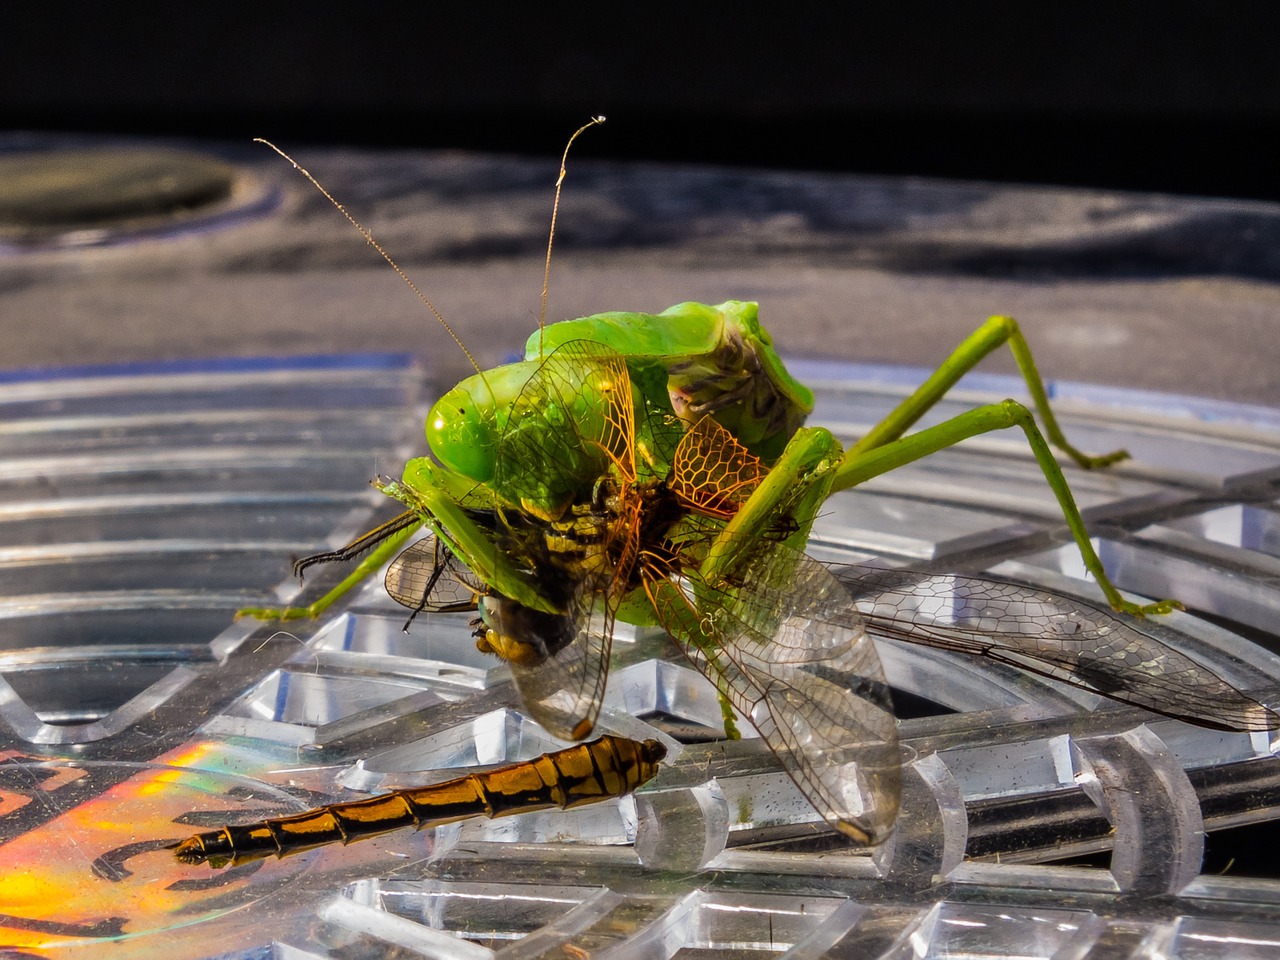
[(519, 634)]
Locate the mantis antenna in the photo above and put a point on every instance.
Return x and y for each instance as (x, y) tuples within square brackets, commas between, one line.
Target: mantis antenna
[(387, 257), (555, 210)]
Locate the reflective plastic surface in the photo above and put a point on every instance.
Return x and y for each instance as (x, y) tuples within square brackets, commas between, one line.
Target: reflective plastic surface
[(136, 711)]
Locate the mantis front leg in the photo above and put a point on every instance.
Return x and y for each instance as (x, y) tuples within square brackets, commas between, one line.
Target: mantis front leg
[(791, 492), (794, 488), (433, 502), (432, 493)]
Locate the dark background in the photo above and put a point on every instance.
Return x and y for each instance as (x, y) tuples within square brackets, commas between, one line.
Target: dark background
[(1157, 97)]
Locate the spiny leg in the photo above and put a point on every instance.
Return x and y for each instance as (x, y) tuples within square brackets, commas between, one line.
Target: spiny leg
[(993, 333), (386, 541), (360, 544), (427, 490), (858, 467)]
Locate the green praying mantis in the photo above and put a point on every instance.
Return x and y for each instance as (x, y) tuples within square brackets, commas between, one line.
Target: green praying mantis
[(653, 468)]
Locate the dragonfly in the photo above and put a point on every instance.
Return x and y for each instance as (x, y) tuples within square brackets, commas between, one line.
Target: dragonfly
[(606, 768)]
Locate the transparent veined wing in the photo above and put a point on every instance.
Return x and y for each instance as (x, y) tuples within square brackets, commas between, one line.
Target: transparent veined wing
[(1053, 636), (428, 576), (560, 662), (712, 473), (571, 423), (570, 430), (781, 642), (778, 637)]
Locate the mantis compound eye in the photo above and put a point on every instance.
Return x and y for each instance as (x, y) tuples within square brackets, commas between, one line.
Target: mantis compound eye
[(463, 435)]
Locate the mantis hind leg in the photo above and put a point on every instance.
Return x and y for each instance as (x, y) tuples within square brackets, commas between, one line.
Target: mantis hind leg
[(857, 467), (992, 334), (385, 541)]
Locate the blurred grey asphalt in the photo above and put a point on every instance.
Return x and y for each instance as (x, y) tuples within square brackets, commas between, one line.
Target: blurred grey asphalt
[(1136, 290)]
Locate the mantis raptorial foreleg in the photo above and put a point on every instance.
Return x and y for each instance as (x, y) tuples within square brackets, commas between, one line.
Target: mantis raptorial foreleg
[(792, 490)]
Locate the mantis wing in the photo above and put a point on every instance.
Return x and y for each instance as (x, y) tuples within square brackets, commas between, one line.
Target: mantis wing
[(1053, 636)]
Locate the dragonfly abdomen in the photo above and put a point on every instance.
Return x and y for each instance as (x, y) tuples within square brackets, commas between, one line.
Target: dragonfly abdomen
[(587, 773)]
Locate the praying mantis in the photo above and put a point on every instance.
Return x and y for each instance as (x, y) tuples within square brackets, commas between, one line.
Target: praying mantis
[(652, 468)]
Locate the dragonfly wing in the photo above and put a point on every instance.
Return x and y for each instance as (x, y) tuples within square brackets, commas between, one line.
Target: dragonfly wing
[(563, 683), (1053, 636), (658, 431), (571, 427), (560, 662), (571, 419), (784, 646), (713, 473), (428, 576)]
